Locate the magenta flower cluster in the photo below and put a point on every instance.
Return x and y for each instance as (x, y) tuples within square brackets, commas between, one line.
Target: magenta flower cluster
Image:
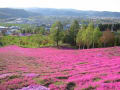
[(59, 69)]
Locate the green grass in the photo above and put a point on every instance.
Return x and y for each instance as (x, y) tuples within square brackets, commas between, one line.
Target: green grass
[(62, 77), (89, 88), (39, 81), (59, 83), (96, 79)]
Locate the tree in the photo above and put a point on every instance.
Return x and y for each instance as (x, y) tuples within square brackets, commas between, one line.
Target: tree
[(3, 32), (79, 41), (73, 31), (96, 35), (39, 30), (88, 35), (56, 32), (79, 38), (42, 30), (107, 37)]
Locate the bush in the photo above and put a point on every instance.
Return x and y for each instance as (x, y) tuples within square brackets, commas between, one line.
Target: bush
[(33, 41)]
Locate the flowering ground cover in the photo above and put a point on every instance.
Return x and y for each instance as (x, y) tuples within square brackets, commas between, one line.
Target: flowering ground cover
[(59, 69)]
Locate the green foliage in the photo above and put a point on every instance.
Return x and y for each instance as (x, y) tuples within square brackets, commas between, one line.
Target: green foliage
[(56, 32), (79, 40), (19, 25), (96, 36), (70, 86), (33, 41), (89, 88), (13, 77), (39, 81), (96, 79), (87, 35), (58, 83), (84, 36), (73, 32), (39, 30)]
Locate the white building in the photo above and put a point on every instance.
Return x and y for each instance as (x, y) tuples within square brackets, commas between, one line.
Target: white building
[(3, 28)]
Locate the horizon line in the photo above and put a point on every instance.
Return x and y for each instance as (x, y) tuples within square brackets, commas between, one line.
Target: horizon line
[(58, 9)]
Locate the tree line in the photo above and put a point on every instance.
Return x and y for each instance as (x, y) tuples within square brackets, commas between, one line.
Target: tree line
[(84, 36), (81, 36), (114, 27)]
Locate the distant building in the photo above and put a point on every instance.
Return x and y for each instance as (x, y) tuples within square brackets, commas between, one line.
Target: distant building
[(14, 27), (9, 30), (3, 28), (8, 33)]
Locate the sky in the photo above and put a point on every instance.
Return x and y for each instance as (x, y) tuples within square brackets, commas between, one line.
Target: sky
[(98, 5)]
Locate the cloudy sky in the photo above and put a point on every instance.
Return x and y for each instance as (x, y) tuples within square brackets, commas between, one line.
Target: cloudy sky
[(99, 5)]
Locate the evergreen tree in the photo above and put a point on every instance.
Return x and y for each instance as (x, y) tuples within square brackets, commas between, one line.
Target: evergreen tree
[(56, 32), (73, 31)]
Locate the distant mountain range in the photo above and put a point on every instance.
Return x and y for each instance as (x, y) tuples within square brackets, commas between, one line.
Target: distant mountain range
[(9, 13), (28, 12), (15, 13), (73, 12)]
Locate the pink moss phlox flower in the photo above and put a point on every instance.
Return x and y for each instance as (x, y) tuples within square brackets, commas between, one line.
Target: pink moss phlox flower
[(34, 87)]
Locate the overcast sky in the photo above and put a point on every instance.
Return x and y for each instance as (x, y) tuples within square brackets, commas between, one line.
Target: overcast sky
[(99, 5)]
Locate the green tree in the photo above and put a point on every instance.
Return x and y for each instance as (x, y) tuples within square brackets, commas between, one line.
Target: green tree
[(3, 32), (88, 35), (96, 35), (79, 41), (39, 30), (42, 30), (79, 38), (56, 32), (73, 31)]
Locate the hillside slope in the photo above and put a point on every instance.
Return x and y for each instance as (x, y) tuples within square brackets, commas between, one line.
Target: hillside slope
[(73, 12), (60, 69), (15, 13)]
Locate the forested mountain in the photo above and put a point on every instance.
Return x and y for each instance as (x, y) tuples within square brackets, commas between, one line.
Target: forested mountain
[(14, 13), (27, 12), (73, 12)]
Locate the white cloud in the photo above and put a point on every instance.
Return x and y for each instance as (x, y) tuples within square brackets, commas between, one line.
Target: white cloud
[(101, 5)]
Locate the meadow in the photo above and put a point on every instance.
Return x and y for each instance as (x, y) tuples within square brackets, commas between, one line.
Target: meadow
[(59, 69)]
